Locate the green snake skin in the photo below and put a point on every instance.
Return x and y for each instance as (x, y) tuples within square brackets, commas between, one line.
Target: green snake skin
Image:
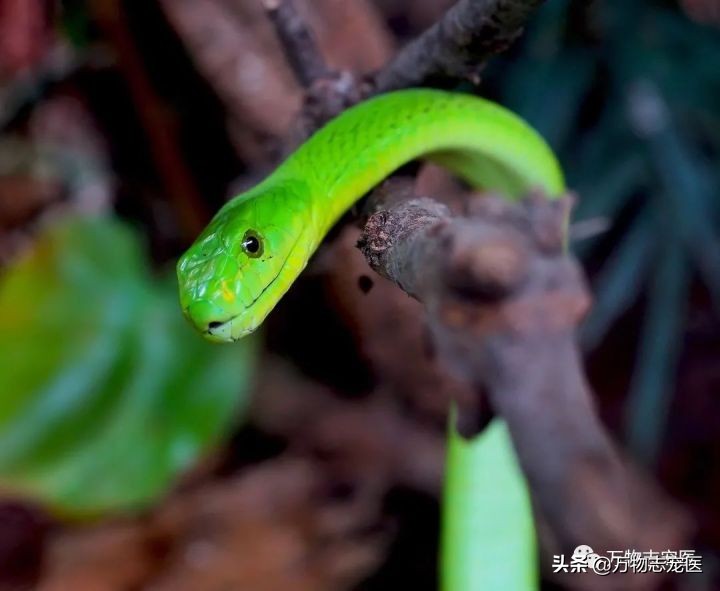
[(260, 241)]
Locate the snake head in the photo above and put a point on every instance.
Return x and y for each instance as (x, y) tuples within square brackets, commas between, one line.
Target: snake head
[(245, 260)]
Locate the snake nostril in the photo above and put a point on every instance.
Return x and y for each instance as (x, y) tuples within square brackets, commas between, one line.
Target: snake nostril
[(214, 324)]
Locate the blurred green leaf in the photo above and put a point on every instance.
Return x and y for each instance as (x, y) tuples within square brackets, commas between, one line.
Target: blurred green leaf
[(686, 179), (604, 197), (488, 536), (552, 109), (105, 392), (619, 282), (653, 380)]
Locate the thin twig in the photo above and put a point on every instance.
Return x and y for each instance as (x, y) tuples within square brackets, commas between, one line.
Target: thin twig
[(301, 50), (458, 46), (455, 48), (327, 92)]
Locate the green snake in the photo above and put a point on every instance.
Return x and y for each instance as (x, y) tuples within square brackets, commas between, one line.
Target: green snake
[(260, 241)]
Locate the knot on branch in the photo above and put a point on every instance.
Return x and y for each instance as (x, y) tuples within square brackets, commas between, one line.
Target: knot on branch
[(489, 273), (501, 266), (388, 228)]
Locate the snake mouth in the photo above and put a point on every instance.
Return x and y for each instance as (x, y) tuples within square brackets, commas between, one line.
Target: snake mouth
[(234, 328), (222, 332)]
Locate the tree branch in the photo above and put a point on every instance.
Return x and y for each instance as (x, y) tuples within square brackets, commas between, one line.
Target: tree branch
[(301, 50), (503, 300), (458, 46), (327, 92), (455, 48)]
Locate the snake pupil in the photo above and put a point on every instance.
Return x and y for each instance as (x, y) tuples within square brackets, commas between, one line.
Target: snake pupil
[(251, 244)]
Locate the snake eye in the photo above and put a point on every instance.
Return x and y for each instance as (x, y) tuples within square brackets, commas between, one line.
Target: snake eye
[(252, 244)]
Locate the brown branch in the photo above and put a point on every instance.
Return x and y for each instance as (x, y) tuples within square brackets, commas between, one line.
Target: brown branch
[(236, 50), (458, 46), (328, 92), (368, 441), (502, 301), (455, 48), (300, 48)]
